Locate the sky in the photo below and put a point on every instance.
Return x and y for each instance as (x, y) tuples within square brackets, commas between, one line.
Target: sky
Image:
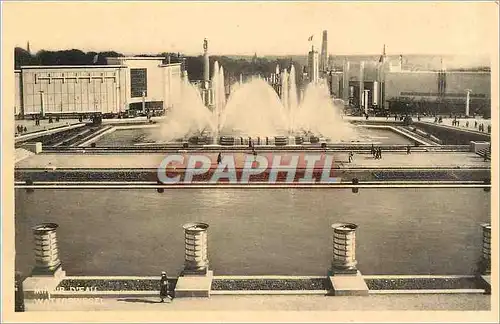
[(277, 28)]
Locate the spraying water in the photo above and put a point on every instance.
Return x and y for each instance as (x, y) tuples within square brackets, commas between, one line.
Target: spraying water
[(293, 98), (284, 89), (317, 114), (216, 100), (221, 87), (189, 117), (254, 109)]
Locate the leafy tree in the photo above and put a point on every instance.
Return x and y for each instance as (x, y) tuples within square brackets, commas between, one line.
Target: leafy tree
[(22, 57)]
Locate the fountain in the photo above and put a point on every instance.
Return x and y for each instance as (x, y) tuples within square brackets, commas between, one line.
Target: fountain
[(255, 110), (318, 115), (293, 98), (189, 117)]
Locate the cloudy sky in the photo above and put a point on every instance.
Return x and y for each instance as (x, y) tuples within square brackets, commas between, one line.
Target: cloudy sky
[(247, 27)]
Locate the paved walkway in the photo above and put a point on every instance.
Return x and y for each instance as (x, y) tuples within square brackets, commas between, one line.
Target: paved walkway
[(431, 302), (44, 125), (463, 121), (446, 121), (153, 160)]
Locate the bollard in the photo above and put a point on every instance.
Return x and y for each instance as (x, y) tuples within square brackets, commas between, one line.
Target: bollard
[(355, 182), (196, 256), (344, 248), (19, 294), (46, 250), (159, 189), (486, 251), (29, 182), (488, 183)]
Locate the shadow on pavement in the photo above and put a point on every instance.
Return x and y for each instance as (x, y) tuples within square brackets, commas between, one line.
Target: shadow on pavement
[(139, 300)]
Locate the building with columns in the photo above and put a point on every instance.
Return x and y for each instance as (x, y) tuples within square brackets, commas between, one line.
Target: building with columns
[(389, 84)]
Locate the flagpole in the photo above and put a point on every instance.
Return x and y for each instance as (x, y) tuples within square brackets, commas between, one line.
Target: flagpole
[(310, 39)]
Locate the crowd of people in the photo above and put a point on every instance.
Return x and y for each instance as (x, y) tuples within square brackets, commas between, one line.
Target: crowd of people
[(20, 129), (479, 126)]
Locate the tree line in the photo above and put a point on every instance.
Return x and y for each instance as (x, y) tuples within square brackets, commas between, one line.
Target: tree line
[(193, 64)]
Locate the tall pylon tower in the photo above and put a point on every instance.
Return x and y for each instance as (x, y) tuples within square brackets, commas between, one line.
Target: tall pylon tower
[(323, 63)]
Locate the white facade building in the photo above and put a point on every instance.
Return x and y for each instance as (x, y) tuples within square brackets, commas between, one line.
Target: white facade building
[(313, 66), (125, 83)]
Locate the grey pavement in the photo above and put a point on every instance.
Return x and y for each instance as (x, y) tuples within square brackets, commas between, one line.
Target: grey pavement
[(153, 160), (399, 302), (446, 121)]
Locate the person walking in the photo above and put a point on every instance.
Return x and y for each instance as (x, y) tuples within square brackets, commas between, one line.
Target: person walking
[(164, 288), (219, 158), (351, 155), (373, 150), (408, 149)]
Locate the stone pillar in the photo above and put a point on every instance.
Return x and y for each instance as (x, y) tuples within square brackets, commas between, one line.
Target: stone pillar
[(376, 93), (467, 103), (46, 249), (47, 273), (486, 250), (345, 278), (117, 95), (361, 84), (196, 279), (344, 248), (365, 101), (196, 249)]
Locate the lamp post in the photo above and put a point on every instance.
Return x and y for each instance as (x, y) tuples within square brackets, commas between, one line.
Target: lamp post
[(143, 102), (42, 104)]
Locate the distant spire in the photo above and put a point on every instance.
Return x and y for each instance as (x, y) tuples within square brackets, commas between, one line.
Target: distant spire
[(383, 57), (28, 47), (443, 65)]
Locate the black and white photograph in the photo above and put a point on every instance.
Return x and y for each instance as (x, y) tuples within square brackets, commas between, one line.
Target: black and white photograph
[(245, 161)]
